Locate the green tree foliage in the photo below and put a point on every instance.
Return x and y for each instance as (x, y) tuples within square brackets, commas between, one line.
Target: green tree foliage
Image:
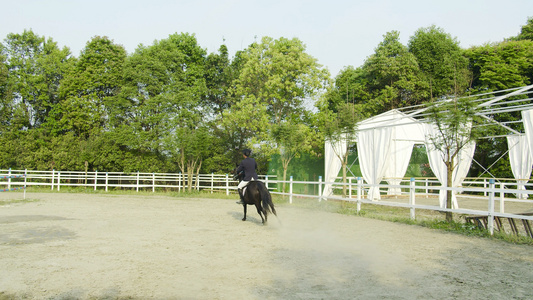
[(164, 88), (281, 75), (35, 68), (293, 140), (351, 85), (526, 33), (441, 61), (502, 65), (457, 125), (339, 127), (499, 66), (392, 75), (89, 90)]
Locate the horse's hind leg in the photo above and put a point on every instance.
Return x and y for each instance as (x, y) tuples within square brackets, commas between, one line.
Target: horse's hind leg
[(244, 219), (260, 212)]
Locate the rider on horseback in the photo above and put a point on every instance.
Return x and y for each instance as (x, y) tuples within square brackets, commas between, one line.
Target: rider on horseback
[(248, 165)]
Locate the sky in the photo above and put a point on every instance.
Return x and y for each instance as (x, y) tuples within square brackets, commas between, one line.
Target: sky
[(337, 33)]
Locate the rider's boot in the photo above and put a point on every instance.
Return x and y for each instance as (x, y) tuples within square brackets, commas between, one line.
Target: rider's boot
[(242, 197)]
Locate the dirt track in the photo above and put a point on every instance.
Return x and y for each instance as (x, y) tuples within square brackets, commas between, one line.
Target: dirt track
[(80, 246)]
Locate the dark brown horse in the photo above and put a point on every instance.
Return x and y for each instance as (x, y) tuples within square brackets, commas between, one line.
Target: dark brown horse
[(256, 193)]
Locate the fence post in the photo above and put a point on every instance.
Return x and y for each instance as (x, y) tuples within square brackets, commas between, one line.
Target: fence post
[(106, 180), (58, 180), (350, 188), (95, 178), (179, 182), (153, 182), (485, 187), (412, 198), (491, 207), (137, 187), (227, 185), (212, 181), (198, 181), (319, 188), (25, 177), (266, 181), (502, 201), (9, 179), (53, 179), (290, 189), (427, 188), (359, 191)]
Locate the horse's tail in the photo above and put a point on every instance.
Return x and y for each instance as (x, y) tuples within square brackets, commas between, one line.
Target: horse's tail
[(266, 200)]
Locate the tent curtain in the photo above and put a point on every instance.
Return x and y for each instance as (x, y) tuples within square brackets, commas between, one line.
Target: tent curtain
[(437, 165), (332, 163), (399, 161), (527, 118), (520, 160), (373, 147)]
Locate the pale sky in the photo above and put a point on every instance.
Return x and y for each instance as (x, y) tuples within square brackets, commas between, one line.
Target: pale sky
[(337, 33)]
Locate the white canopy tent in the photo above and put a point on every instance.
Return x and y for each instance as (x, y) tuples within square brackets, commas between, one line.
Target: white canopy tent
[(385, 142)]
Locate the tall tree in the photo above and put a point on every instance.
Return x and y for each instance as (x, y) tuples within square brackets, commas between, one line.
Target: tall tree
[(441, 61), (393, 76), (526, 32), (280, 74), (456, 126), (292, 140), (350, 85), (219, 75), (502, 65), (88, 92), (35, 68), (339, 128), (162, 97), (499, 66)]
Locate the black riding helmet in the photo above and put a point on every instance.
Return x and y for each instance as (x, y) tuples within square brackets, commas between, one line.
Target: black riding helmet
[(247, 152)]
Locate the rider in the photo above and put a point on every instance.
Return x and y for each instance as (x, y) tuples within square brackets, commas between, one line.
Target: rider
[(248, 165)]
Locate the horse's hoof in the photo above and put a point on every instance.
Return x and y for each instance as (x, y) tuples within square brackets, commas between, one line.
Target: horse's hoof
[(244, 219)]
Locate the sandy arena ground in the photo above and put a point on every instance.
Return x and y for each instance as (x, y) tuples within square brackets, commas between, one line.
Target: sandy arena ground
[(82, 246)]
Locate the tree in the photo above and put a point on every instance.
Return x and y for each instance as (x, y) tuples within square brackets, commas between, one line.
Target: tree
[(219, 75), (243, 125), (393, 76), (441, 61), (35, 68), (339, 128), (456, 127), (526, 32), (89, 91), (500, 66), (162, 96), (280, 74), (292, 140), (350, 85)]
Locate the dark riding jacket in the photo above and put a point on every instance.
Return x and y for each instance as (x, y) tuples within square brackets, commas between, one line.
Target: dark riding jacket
[(248, 165)]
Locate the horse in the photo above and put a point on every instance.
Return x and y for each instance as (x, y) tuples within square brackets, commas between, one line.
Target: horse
[(256, 193)]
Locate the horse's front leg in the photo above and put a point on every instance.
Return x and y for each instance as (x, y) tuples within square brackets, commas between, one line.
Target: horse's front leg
[(244, 219)]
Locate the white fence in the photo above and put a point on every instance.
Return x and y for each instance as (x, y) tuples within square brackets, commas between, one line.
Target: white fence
[(106, 180), (481, 197)]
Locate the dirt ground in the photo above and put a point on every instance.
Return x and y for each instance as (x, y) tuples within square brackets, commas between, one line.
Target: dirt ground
[(84, 246)]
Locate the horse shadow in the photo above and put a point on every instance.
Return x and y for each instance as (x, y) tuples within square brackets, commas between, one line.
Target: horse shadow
[(238, 216)]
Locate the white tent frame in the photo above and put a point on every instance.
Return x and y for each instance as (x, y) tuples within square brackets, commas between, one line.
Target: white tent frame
[(491, 104)]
